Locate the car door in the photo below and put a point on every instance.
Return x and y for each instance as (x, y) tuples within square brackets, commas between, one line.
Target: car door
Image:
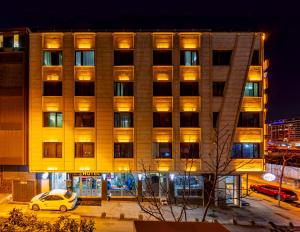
[(56, 202), (46, 202)]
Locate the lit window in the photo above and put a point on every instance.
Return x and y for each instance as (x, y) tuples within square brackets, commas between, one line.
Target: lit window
[(252, 89), (162, 150), (52, 119), (52, 58), (1, 41), (85, 58), (16, 41), (245, 150), (123, 119), (189, 58), (123, 150)]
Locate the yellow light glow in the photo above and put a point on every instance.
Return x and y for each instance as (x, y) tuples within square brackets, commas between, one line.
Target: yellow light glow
[(84, 106), (52, 77), (123, 77), (190, 138), (124, 44), (249, 135), (52, 109), (126, 169), (53, 41), (162, 41), (84, 43), (248, 165), (252, 104), (263, 36), (255, 73), (84, 168), (189, 43), (163, 169), (162, 108), (191, 169), (162, 77), (52, 168), (124, 40), (189, 73), (188, 107)]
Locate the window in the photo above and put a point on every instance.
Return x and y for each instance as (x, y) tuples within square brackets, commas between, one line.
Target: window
[(189, 89), (84, 150), (162, 119), (52, 58), (123, 119), (84, 58), (1, 41), (123, 88), (215, 119), (8, 41), (52, 88), (162, 88), (218, 89), (84, 88), (162, 150), (123, 150), (84, 119), (16, 41), (252, 89), (222, 57), (249, 119), (189, 58), (245, 150), (255, 58), (52, 119), (189, 150), (52, 150), (161, 57), (123, 57), (189, 119)]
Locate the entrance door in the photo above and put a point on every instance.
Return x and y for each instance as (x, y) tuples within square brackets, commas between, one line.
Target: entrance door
[(87, 186)]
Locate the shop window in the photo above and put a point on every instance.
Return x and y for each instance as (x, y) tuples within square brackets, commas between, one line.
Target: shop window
[(245, 150), (123, 88), (52, 150), (189, 150), (122, 57), (189, 119), (52, 58), (162, 150), (52, 119), (84, 58), (189, 58), (189, 89), (249, 119), (84, 119), (189, 186), (255, 58), (222, 57), (87, 186), (52, 88), (123, 150), (123, 119), (84, 150), (162, 57), (162, 88), (215, 119), (252, 89), (162, 119), (84, 88), (218, 89), (121, 184)]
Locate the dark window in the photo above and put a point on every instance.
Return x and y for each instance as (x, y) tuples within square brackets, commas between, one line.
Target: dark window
[(52, 88), (123, 88), (255, 58), (222, 57), (189, 89), (162, 88), (162, 119), (189, 119), (162, 150), (84, 150), (84, 88), (249, 119), (8, 41), (123, 150), (215, 119), (189, 150), (162, 57), (123, 57), (189, 58), (252, 89), (52, 119), (84, 58), (52, 150), (218, 89), (52, 58), (245, 150), (84, 119), (123, 119)]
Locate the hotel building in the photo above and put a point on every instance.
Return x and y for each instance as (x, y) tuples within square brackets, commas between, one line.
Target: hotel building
[(104, 106)]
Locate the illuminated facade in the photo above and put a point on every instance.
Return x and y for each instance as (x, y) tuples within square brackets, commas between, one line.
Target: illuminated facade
[(105, 104)]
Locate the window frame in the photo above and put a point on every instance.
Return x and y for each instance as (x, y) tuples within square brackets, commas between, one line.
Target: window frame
[(48, 118), (58, 145), (81, 153), (129, 150)]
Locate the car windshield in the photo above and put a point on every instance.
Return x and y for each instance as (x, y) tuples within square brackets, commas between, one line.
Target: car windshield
[(68, 194), (44, 195)]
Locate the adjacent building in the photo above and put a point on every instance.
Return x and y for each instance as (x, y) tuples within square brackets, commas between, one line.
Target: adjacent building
[(106, 106)]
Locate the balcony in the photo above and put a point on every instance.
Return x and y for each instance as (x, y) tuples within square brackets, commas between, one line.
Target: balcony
[(123, 40), (123, 73), (84, 41), (162, 73), (249, 135), (162, 40), (52, 73), (189, 73), (162, 104), (84, 104), (52, 103), (123, 104), (255, 73), (189, 40), (162, 135), (248, 165), (52, 40), (252, 104), (84, 73), (189, 104), (190, 135), (123, 135)]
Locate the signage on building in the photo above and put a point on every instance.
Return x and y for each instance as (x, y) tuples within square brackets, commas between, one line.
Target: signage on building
[(269, 176)]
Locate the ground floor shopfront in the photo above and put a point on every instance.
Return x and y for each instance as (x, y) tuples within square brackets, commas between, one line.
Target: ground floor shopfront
[(132, 185)]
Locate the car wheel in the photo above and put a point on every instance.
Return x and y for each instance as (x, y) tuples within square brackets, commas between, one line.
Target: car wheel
[(63, 208), (35, 207)]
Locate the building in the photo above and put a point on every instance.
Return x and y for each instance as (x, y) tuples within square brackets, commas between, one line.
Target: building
[(105, 105), (13, 108)]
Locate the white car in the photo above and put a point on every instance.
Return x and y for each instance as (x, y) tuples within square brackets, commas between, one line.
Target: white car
[(57, 199)]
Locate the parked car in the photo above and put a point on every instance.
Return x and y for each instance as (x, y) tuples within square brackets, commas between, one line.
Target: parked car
[(273, 191), (57, 199)]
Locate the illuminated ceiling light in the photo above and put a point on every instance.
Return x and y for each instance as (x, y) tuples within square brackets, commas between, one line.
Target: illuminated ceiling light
[(45, 175)]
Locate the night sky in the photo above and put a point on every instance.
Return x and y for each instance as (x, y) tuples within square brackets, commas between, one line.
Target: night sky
[(281, 22)]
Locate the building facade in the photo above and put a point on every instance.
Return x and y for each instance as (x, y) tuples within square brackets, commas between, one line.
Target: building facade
[(106, 106)]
